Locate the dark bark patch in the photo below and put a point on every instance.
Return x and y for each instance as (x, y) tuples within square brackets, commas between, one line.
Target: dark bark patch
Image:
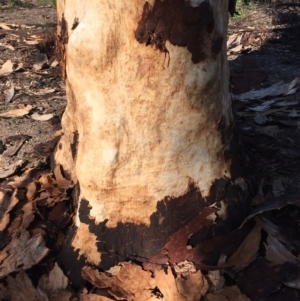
[(62, 40), (177, 22), (231, 7), (140, 242), (74, 145), (70, 260), (75, 23), (233, 149), (217, 45), (173, 226)]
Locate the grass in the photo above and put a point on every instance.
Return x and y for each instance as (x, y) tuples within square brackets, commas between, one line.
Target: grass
[(24, 3)]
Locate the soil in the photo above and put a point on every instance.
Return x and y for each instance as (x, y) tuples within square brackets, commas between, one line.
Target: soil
[(32, 33), (266, 52), (270, 36)]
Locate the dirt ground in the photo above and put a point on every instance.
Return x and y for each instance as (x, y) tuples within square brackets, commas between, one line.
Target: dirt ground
[(270, 41), (29, 40), (263, 51)]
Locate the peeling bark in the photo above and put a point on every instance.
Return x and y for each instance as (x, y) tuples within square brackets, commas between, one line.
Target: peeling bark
[(148, 134)]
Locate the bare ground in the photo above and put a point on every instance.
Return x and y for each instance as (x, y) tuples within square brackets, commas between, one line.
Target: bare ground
[(29, 39)]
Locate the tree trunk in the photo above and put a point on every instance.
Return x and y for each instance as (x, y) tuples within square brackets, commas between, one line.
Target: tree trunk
[(147, 137)]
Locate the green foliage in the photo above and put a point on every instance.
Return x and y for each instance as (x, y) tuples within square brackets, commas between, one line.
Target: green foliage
[(53, 3), (243, 8), (25, 3)]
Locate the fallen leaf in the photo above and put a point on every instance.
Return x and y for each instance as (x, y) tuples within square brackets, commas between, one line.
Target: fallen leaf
[(9, 94), (94, 297), (23, 252), (8, 201), (5, 294), (295, 283), (260, 118), (277, 253), (17, 112), (6, 45), (38, 117), (14, 144), (234, 40), (247, 251), (274, 90), (286, 103), (228, 293), (278, 188), (4, 26), (44, 91), (6, 68), (294, 113), (54, 64), (41, 61), (216, 279), (263, 107), (4, 173), (123, 287), (30, 42), (262, 278), (270, 130), (22, 289), (53, 283)]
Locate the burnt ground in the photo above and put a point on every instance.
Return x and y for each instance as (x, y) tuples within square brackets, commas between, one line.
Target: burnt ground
[(264, 52)]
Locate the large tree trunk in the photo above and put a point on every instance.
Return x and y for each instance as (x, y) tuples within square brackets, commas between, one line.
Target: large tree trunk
[(147, 138)]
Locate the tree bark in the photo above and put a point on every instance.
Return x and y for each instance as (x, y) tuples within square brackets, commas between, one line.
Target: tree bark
[(148, 138)]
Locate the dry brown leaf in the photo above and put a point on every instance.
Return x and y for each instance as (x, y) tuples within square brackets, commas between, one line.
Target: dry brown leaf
[(262, 107), (192, 287), (44, 91), (41, 61), (94, 297), (216, 279), (6, 68), (278, 188), (31, 191), (31, 42), (247, 251), (22, 289), (234, 40), (53, 283), (38, 117), (5, 26), (277, 253), (17, 112), (54, 64), (60, 179), (270, 130), (6, 45), (295, 283), (228, 293), (7, 203), (274, 90), (49, 185), (4, 293), (123, 286), (4, 173), (9, 94), (271, 229), (22, 253)]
